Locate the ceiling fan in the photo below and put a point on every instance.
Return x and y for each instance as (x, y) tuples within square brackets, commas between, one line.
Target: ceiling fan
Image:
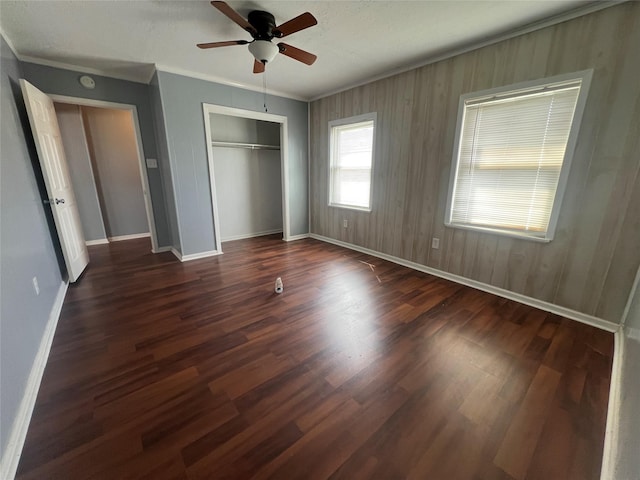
[(262, 28)]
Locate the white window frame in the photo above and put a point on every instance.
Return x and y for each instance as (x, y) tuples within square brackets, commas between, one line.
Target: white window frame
[(367, 117), (515, 90)]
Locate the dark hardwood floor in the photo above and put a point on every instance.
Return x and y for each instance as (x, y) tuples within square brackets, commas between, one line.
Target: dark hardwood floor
[(360, 369)]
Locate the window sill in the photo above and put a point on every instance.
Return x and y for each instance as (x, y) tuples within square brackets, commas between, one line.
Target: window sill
[(350, 207), (500, 232)]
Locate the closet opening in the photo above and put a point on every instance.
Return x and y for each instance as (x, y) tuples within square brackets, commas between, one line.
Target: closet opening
[(108, 172), (247, 155)]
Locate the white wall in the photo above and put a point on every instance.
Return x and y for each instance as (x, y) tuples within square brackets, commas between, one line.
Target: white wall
[(626, 462), (248, 182), (112, 146), (79, 161)]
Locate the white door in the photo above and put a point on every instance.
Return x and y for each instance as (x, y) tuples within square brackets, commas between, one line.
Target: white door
[(44, 126)]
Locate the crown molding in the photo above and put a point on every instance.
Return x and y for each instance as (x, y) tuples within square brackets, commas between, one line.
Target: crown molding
[(516, 32), (9, 43), (222, 81), (80, 69)]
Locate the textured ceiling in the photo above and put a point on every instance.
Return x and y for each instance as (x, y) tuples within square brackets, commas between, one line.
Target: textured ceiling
[(355, 40)]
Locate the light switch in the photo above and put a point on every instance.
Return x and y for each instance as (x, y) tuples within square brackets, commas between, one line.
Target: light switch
[(152, 163)]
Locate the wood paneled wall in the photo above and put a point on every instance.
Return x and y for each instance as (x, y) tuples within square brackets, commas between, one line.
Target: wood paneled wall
[(591, 264)]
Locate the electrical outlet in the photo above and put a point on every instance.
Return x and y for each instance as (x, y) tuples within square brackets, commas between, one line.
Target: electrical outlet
[(36, 287), (435, 243), (345, 223)]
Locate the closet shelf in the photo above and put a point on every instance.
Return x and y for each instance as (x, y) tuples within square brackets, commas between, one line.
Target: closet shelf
[(251, 146)]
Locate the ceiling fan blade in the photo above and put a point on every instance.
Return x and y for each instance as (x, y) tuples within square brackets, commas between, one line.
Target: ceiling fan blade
[(297, 54), (258, 67), (222, 44), (234, 16), (294, 25)]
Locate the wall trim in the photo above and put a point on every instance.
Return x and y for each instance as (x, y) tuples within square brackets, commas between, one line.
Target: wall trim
[(501, 292), (18, 432), (194, 256), (9, 43), (130, 77), (161, 249), (222, 81), (610, 451), (293, 238), (251, 235), (308, 166), (100, 241), (120, 238)]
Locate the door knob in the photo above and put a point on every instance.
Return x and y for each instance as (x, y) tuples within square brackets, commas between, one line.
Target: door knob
[(59, 200)]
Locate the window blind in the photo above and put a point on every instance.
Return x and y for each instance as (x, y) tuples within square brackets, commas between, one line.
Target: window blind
[(509, 159), (351, 159)]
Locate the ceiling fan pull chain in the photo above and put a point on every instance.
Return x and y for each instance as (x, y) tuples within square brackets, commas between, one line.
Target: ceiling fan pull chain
[(264, 90)]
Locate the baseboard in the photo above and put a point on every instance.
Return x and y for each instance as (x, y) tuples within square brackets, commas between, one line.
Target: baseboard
[(120, 238), (501, 292), (194, 256), (251, 235), (18, 432), (100, 241), (161, 249), (607, 471), (293, 238)]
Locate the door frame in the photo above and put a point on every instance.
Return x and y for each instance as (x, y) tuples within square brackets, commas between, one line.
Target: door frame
[(86, 102), (209, 108)]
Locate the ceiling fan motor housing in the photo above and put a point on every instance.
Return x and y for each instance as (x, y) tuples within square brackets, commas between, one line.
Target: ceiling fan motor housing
[(264, 23)]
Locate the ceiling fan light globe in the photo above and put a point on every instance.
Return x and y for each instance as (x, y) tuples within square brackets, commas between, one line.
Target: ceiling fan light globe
[(263, 50)]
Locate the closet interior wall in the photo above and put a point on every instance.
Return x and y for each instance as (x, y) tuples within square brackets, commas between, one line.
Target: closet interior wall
[(247, 174), (81, 170)]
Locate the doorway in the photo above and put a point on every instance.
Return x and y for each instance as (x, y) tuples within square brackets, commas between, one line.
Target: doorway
[(108, 169), (247, 158)]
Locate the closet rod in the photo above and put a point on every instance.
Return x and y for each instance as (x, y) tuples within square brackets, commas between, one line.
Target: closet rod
[(252, 146)]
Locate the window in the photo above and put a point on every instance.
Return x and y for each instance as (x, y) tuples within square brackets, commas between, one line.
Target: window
[(512, 156), (351, 146)]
